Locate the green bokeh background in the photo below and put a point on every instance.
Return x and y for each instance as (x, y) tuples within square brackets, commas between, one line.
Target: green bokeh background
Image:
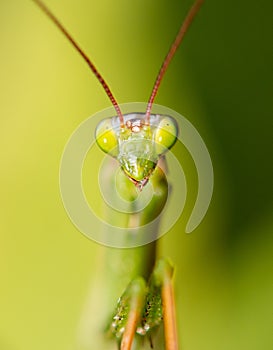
[(221, 80)]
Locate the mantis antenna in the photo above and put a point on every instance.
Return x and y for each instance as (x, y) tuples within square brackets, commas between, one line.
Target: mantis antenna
[(105, 86), (184, 27), (182, 31)]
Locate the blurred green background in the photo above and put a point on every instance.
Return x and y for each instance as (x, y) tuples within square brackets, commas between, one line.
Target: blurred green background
[(221, 80)]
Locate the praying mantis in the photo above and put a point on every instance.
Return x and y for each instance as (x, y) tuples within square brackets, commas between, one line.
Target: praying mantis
[(136, 144)]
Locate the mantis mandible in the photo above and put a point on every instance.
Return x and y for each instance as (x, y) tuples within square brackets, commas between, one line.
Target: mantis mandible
[(138, 142)]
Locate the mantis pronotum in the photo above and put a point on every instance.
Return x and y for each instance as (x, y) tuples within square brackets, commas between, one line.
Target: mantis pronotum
[(138, 141)]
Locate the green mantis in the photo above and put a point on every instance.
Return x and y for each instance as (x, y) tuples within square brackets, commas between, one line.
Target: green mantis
[(138, 142)]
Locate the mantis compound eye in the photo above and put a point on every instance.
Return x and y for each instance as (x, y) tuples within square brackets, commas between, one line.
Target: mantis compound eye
[(165, 134), (106, 137)]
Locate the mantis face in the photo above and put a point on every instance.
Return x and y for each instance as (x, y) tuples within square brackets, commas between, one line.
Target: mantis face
[(137, 145)]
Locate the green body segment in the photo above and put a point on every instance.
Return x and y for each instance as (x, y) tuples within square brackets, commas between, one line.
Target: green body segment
[(137, 262), (121, 266)]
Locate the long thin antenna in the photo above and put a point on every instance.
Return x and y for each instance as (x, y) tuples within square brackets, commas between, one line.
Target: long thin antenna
[(184, 27), (105, 86)]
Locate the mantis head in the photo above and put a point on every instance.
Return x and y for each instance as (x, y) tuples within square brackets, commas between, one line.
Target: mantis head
[(137, 145)]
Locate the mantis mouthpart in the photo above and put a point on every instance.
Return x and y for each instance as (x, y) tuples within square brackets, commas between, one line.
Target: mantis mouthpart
[(138, 142)]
